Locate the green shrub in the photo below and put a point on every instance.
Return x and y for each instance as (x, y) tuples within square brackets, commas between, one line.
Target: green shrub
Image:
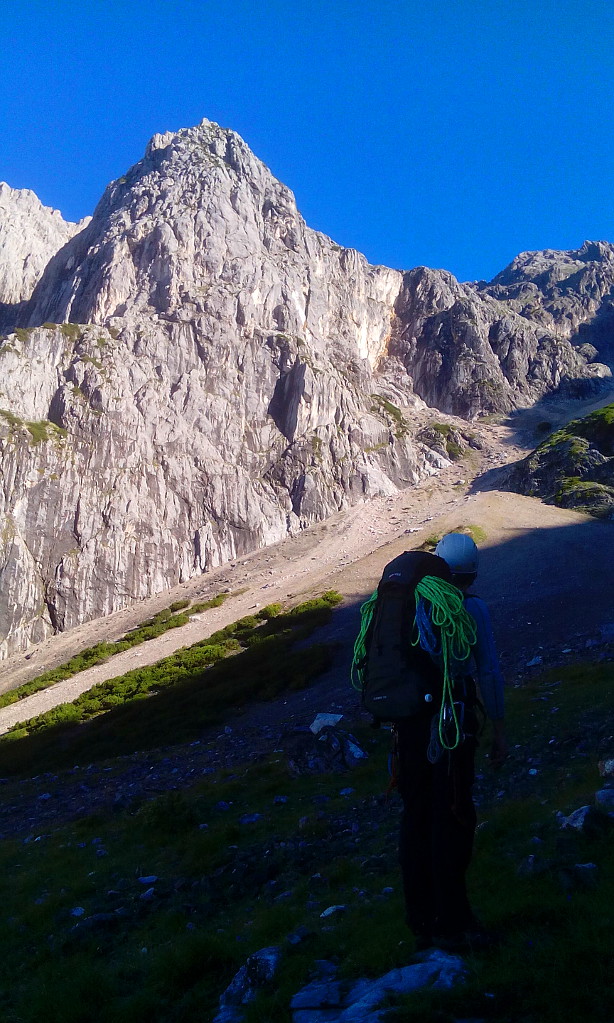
[(101, 652), (72, 331), (193, 688)]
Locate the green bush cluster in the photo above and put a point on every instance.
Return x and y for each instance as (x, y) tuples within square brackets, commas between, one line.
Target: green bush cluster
[(151, 629), (446, 432), (193, 688), (382, 405)]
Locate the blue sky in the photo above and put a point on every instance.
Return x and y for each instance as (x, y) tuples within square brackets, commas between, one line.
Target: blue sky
[(452, 134)]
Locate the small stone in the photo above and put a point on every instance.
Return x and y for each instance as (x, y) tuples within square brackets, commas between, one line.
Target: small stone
[(148, 879), (575, 820), (605, 800), (324, 721), (606, 768), (77, 911), (534, 662), (332, 910), (148, 894), (251, 818)]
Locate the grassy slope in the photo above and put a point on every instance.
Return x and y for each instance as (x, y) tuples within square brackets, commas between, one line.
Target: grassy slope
[(170, 618), (227, 887)]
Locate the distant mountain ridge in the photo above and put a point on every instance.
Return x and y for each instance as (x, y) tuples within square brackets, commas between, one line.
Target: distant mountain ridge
[(220, 375)]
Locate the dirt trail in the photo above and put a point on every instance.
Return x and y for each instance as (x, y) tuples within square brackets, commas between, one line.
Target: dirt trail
[(348, 551)]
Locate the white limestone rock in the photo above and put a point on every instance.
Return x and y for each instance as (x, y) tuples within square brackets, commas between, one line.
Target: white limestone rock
[(30, 234), (198, 374)]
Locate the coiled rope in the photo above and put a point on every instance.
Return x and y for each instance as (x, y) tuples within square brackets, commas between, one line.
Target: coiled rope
[(440, 604), (360, 649)]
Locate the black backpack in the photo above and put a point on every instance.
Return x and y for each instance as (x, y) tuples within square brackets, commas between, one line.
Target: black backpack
[(397, 677)]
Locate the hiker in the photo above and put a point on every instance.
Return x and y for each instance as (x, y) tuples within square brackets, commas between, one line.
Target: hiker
[(435, 783)]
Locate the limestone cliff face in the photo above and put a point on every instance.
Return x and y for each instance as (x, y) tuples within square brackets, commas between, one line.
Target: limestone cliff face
[(217, 397), (467, 351), (30, 234), (220, 375)]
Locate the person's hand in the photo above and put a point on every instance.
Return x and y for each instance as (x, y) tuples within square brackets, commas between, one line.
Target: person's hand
[(498, 749)]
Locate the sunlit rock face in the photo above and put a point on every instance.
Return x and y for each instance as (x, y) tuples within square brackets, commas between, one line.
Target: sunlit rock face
[(197, 374), (30, 234)]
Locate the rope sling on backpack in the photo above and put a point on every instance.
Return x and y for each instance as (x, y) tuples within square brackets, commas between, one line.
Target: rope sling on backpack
[(414, 631)]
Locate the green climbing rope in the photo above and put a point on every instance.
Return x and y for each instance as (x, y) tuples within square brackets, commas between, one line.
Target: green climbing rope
[(360, 650), (457, 635)]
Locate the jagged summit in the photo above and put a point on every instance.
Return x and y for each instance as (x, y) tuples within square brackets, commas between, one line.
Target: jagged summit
[(197, 222), (30, 234), (564, 291)]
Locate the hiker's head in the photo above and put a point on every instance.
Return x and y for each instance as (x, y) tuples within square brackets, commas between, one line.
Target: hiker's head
[(461, 555)]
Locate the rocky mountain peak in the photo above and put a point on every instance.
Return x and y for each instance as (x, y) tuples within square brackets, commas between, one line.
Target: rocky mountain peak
[(198, 214), (30, 234), (198, 374)]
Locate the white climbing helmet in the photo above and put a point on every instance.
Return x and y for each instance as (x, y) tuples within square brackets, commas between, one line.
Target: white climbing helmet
[(460, 553)]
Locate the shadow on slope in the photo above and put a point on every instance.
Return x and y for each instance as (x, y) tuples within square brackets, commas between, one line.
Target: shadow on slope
[(548, 588)]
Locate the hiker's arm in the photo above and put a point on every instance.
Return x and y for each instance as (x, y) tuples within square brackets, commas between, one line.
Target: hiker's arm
[(489, 677)]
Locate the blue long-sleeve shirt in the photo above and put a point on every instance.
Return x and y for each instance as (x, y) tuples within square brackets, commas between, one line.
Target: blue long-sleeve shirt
[(484, 661)]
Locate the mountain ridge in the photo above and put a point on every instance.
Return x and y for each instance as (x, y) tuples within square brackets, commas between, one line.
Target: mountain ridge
[(197, 374)]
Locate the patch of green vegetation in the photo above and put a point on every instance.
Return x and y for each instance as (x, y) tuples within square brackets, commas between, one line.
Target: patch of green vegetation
[(50, 326), (72, 331), (592, 498), (92, 361), (14, 421), (215, 899), (43, 431), (477, 534), (597, 428), (454, 450), (22, 333), (174, 699), (382, 405), (40, 431), (101, 652), (429, 544)]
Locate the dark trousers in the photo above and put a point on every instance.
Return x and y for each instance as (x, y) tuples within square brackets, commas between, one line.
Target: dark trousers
[(437, 829)]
